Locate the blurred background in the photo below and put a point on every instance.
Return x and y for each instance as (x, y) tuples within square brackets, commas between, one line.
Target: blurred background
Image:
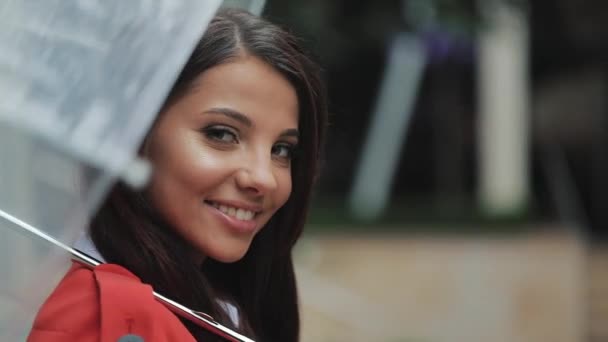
[(464, 194)]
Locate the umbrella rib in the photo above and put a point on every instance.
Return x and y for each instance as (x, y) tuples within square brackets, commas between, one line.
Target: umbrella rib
[(196, 317)]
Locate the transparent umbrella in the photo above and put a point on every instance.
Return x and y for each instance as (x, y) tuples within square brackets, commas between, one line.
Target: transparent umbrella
[(80, 83)]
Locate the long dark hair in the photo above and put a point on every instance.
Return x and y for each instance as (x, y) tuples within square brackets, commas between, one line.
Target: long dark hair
[(129, 232)]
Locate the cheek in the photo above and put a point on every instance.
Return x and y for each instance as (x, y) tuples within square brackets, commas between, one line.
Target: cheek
[(187, 162), (285, 187), (179, 182), (194, 177), (176, 180)]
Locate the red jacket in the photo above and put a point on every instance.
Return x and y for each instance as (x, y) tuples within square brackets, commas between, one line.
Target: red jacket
[(103, 305)]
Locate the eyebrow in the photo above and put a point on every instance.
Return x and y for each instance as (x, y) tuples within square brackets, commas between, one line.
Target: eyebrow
[(231, 113), (291, 133), (242, 118)]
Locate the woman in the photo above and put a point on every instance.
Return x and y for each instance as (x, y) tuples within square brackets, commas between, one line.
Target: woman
[(235, 152)]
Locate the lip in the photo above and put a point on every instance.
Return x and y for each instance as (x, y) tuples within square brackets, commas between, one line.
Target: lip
[(239, 226)]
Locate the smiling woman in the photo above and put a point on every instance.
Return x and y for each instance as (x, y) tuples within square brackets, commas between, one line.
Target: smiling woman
[(220, 175), (234, 152)]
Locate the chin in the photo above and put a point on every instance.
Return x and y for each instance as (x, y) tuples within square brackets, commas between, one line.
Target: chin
[(228, 255), (227, 259)]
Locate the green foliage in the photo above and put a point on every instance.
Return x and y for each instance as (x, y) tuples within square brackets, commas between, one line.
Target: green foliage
[(418, 214)]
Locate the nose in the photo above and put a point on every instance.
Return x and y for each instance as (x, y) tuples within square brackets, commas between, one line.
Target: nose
[(257, 176)]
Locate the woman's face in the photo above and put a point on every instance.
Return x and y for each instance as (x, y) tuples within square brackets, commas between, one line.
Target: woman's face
[(222, 156)]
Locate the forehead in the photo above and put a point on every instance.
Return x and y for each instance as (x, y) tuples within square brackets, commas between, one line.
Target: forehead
[(250, 86)]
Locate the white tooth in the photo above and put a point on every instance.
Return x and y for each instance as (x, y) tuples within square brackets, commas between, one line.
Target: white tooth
[(223, 209), (240, 214), (248, 215), (231, 211)]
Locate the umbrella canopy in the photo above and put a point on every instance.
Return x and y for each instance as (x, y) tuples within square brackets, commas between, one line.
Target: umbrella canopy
[(80, 82)]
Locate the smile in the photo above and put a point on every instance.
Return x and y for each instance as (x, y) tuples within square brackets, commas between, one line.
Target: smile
[(238, 213)]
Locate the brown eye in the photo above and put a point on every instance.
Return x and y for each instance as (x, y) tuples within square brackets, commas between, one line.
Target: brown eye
[(221, 134), (283, 151)]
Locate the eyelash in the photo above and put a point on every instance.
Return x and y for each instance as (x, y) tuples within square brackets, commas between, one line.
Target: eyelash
[(216, 133), (289, 147), (212, 132)]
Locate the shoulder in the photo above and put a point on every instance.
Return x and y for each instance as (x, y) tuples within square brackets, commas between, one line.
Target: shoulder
[(70, 309), (104, 304)]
